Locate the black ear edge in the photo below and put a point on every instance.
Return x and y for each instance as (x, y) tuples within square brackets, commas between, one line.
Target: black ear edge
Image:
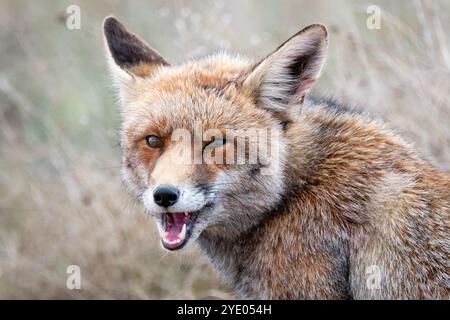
[(126, 48), (317, 27), (313, 27)]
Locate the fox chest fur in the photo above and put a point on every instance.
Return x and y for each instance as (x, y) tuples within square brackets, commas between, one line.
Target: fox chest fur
[(357, 225)]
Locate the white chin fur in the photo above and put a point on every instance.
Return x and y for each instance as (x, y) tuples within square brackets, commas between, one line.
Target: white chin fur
[(160, 229)]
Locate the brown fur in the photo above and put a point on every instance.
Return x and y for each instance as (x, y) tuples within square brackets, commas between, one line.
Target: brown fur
[(349, 194), (367, 200)]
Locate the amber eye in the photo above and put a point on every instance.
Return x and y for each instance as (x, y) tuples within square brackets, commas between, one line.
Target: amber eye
[(153, 142)]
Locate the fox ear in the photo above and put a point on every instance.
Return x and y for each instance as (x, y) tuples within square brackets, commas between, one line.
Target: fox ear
[(128, 56), (284, 77)]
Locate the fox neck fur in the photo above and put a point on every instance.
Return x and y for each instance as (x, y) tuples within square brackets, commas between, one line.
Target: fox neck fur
[(350, 182)]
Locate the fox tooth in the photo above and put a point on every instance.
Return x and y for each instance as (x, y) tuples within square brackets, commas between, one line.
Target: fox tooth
[(183, 232)]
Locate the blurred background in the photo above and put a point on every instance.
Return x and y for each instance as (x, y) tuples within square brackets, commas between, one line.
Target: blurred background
[(61, 198)]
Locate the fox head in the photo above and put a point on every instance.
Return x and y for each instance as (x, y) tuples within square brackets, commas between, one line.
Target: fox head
[(183, 127)]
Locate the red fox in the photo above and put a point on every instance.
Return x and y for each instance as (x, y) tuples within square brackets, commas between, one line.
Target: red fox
[(348, 211)]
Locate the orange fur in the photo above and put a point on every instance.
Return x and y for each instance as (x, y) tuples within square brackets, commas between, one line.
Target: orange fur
[(349, 193)]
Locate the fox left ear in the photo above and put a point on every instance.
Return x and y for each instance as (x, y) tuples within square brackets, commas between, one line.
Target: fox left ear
[(128, 56), (284, 77)]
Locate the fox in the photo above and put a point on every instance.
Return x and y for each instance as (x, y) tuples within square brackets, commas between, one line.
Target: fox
[(343, 208)]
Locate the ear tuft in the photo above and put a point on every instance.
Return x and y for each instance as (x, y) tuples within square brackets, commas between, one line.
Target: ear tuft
[(284, 77), (128, 50)]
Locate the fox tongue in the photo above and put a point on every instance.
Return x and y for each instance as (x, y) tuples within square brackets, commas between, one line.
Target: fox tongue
[(175, 223), (173, 232)]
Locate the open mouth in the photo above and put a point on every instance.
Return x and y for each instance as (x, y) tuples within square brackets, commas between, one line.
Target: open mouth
[(177, 228)]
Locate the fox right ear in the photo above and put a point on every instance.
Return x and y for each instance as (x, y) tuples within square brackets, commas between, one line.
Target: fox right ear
[(280, 81), (129, 57)]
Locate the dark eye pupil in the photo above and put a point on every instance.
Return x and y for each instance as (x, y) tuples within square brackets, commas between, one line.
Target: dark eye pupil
[(153, 141)]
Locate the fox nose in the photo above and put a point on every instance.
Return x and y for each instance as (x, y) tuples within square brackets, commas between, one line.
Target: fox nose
[(165, 196)]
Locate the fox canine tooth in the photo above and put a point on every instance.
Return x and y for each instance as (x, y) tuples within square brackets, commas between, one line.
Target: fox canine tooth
[(182, 234)]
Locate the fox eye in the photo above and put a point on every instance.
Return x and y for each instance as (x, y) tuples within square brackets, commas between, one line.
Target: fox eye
[(153, 142), (214, 143)]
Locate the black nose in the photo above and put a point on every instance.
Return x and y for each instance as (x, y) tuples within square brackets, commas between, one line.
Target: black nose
[(165, 196)]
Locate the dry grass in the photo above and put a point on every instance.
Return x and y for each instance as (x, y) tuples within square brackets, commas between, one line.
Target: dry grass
[(62, 200)]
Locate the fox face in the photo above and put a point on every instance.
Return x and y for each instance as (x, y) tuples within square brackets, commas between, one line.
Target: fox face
[(204, 144)]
